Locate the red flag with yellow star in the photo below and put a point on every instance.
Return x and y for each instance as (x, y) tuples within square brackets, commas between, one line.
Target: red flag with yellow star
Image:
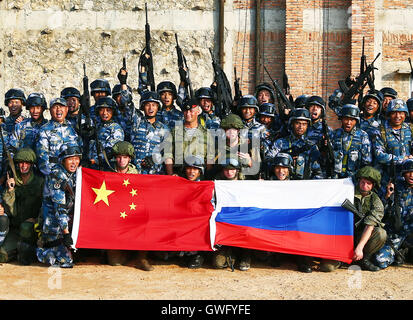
[(141, 212)]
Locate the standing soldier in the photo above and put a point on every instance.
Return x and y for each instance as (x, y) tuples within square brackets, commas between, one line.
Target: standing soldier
[(400, 233), (22, 200), (99, 88), (15, 100), (269, 118), (123, 153), (72, 97), (53, 135), (264, 93), (369, 235), (392, 142), (108, 132), (168, 114), (58, 201), (303, 151), (207, 118), (352, 149), (148, 134), (26, 133)]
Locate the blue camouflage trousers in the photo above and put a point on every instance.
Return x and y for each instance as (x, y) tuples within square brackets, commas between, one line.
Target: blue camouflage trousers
[(55, 256)]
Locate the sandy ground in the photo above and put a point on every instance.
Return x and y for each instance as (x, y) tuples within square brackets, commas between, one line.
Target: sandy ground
[(170, 280)]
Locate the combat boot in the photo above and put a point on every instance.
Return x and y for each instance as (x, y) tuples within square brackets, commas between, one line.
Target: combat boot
[(219, 260), (365, 264), (328, 265), (4, 257), (245, 262), (143, 263), (196, 261)]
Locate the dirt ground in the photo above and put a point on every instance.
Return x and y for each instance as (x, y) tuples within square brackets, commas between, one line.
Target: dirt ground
[(171, 280)]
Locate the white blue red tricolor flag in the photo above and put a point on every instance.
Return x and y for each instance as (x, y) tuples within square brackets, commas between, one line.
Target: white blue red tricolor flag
[(295, 217), (160, 212)]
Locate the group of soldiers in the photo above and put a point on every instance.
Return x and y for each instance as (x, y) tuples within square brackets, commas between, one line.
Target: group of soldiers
[(172, 133)]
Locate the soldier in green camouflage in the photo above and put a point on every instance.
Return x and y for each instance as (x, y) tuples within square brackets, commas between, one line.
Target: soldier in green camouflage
[(369, 235), (22, 200)]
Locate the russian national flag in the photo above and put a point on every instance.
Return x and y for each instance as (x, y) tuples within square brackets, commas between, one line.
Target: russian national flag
[(295, 217)]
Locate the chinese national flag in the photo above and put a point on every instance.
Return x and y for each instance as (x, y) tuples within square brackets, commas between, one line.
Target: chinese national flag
[(141, 212)]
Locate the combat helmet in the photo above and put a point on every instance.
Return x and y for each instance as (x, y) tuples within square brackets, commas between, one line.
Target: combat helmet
[(70, 92), (397, 105), (150, 96), (282, 160), (194, 161), (205, 93), (300, 101), (14, 94), (117, 89), (389, 92), (124, 148), (318, 101), (167, 86), (351, 111), (69, 150), (407, 166), (369, 173), (267, 109), (100, 85), (248, 101), (232, 121), (25, 155), (409, 104), (36, 99), (299, 114), (106, 102), (375, 94)]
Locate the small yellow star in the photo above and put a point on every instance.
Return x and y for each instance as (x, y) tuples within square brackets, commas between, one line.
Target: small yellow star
[(133, 192), (123, 215), (102, 194), (132, 206), (126, 182)]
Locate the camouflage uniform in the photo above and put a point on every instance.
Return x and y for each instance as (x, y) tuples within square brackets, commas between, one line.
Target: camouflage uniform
[(351, 151), (397, 238), (26, 134), (209, 120), (307, 165), (147, 138), (108, 134), (52, 136), (22, 203), (58, 203)]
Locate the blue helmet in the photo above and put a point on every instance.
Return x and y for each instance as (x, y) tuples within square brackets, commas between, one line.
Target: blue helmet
[(36, 99), (397, 105), (351, 111)]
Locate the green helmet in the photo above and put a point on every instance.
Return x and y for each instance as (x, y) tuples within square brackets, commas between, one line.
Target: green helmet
[(123, 148), (370, 173), (232, 121), (26, 155)]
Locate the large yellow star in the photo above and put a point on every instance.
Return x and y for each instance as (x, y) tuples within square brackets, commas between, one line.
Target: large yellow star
[(132, 206), (102, 194), (133, 192)]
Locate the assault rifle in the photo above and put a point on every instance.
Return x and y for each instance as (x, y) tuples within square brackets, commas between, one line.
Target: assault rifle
[(286, 88), (411, 74), (394, 211), (11, 169), (183, 69), (238, 93), (358, 85), (328, 148), (147, 51), (223, 89), (283, 101)]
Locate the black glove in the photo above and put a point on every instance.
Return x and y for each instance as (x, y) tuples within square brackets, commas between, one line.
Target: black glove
[(67, 239), (144, 61), (122, 77), (147, 162), (182, 74)]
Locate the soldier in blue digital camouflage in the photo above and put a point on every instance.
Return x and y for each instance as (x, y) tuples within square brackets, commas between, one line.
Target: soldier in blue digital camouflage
[(58, 201), (168, 114), (409, 104), (99, 88), (26, 133), (399, 222), (269, 118), (53, 135), (72, 97), (303, 151), (207, 118), (369, 235), (148, 134), (14, 100), (392, 142), (20, 210), (317, 108), (108, 133), (352, 147)]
